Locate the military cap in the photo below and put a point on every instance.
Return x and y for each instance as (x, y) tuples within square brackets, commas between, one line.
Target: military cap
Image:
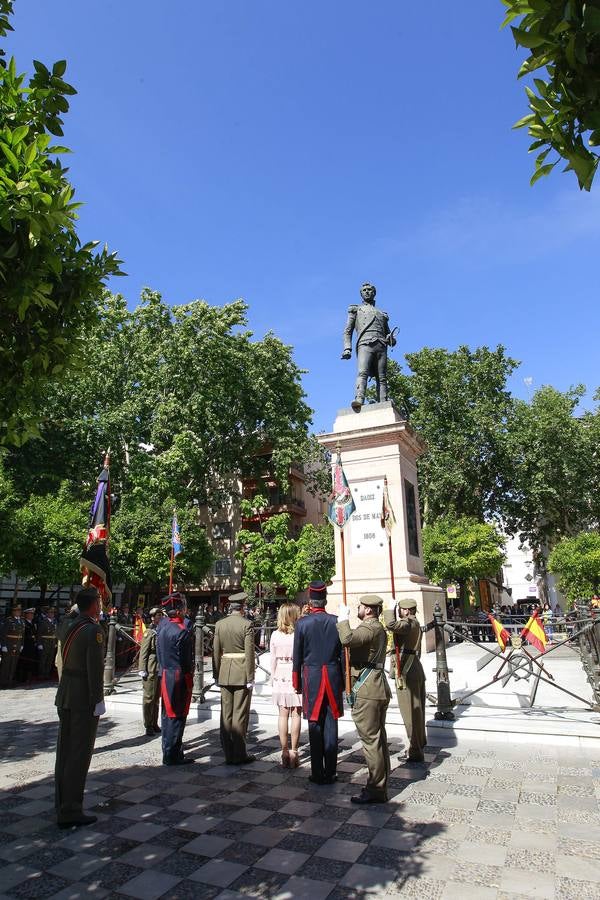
[(407, 603), (371, 600), (236, 601), (30, 609), (17, 608), (154, 610)]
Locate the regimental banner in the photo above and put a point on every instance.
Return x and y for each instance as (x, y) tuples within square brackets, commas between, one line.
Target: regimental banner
[(367, 537)]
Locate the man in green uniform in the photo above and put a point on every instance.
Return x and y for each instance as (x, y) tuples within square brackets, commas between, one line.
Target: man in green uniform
[(46, 642), (149, 674), (408, 673), (12, 632), (233, 670), (80, 702), (370, 692)]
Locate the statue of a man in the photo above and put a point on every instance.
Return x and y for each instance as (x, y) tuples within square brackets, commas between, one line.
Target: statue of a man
[(373, 337)]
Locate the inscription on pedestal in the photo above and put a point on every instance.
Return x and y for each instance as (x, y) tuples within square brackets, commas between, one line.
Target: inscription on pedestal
[(367, 537)]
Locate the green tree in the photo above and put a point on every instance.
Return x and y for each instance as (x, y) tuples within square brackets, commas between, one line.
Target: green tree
[(555, 470), (140, 547), (49, 282), (459, 403), (461, 549), (576, 562), (274, 559), (8, 501), (564, 40), (49, 532)]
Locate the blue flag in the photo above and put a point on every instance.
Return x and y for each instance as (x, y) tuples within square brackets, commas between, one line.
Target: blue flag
[(175, 537), (341, 502)]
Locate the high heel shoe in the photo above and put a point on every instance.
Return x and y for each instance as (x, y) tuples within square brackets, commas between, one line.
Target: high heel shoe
[(285, 759), (294, 761)]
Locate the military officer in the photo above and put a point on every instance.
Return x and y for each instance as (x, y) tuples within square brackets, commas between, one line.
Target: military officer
[(149, 674), (317, 675), (12, 631), (233, 670), (175, 667), (46, 641), (373, 337), (408, 674), (80, 703), (370, 692)]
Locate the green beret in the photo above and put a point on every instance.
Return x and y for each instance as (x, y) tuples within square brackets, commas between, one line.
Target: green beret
[(371, 600), (407, 603)]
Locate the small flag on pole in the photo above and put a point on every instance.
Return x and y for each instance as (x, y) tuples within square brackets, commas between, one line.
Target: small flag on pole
[(341, 502), (534, 633), (500, 632), (176, 537), (388, 519), (94, 564)]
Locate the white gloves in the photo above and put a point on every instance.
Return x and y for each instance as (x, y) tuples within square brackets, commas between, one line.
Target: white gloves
[(390, 603), (4, 649), (343, 614), (100, 708), (250, 685), (40, 646), (143, 675)]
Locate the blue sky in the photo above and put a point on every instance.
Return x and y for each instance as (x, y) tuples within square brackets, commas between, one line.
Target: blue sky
[(285, 152)]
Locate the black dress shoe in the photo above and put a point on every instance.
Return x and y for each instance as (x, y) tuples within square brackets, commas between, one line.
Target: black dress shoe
[(156, 729), (149, 732), (414, 760), (246, 760), (363, 799), (79, 821), (330, 779), (316, 780)]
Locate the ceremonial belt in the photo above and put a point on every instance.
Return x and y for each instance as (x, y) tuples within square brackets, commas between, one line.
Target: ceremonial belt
[(14, 636), (234, 656), (46, 637), (362, 677)]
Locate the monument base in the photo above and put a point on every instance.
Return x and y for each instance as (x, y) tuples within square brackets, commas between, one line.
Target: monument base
[(379, 451)]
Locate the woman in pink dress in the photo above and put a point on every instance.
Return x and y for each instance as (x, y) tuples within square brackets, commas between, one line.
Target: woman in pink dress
[(284, 696)]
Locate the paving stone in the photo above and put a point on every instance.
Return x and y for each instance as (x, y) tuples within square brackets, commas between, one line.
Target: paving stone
[(298, 888), (149, 885), (219, 872), (191, 890), (368, 878)]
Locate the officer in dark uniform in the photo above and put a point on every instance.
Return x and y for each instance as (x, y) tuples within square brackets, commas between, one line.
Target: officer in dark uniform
[(80, 702), (46, 642), (408, 674), (12, 633), (149, 674), (370, 692), (175, 667), (317, 675), (373, 337), (234, 663)]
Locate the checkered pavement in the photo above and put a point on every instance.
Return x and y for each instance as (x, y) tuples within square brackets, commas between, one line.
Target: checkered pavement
[(477, 820)]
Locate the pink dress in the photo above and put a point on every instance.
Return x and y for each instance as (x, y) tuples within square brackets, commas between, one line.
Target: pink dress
[(283, 693)]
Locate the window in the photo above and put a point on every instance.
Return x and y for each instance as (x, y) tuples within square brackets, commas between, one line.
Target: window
[(221, 531), (223, 566)]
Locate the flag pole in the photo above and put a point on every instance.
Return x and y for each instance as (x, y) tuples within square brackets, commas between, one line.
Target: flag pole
[(172, 558), (345, 602)]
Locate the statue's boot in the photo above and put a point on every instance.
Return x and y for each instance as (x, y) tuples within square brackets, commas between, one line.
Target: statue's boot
[(357, 403)]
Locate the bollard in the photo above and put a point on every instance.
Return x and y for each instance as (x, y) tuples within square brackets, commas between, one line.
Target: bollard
[(444, 701), (109, 661), (198, 686)]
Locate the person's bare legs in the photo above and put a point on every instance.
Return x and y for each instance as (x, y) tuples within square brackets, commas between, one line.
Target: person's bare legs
[(283, 735), (296, 725)]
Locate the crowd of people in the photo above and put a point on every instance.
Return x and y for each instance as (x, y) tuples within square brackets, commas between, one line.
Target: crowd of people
[(307, 650)]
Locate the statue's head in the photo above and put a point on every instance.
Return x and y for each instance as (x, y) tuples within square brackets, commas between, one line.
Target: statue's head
[(367, 292)]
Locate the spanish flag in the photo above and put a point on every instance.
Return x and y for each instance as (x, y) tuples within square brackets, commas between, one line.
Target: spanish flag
[(502, 635), (534, 633)]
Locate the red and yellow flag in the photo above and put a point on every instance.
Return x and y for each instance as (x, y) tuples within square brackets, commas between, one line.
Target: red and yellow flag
[(534, 633), (500, 632), (139, 629)]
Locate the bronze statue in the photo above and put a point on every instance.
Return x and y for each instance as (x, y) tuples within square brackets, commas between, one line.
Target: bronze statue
[(373, 337)]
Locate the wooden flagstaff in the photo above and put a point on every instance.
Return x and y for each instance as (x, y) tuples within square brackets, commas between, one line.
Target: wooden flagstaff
[(386, 512), (172, 557), (348, 687)]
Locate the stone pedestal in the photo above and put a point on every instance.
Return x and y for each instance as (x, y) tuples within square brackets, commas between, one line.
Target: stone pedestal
[(374, 444)]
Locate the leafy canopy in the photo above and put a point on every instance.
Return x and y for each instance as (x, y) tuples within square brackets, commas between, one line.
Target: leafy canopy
[(49, 282), (458, 549), (564, 39), (576, 562), (273, 559), (459, 403)]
